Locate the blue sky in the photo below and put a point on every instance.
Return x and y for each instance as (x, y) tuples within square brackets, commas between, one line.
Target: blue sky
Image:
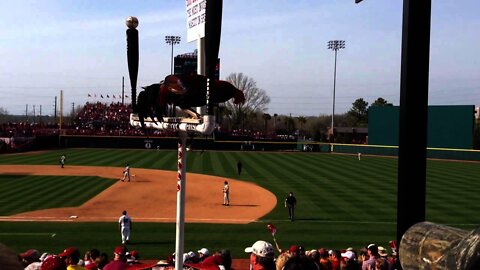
[(79, 47)]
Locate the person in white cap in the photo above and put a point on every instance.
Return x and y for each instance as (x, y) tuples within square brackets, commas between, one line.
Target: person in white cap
[(350, 260), (203, 253), (190, 257), (262, 256)]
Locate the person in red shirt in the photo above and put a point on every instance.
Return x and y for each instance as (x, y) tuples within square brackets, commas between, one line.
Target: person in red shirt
[(119, 260)]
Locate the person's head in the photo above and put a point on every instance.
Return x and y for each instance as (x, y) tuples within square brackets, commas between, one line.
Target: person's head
[(30, 256), (262, 250), (372, 250), (53, 262), (301, 262), (294, 250), (94, 253), (120, 253), (381, 264), (203, 252), (348, 255), (282, 259), (124, 212), (290, 194), (102, 260), (323, 253), (226, 182), (70, 256), (226, 258), (334, 254)]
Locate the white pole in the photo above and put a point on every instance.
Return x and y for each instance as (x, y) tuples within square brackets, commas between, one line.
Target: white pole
[(181, 188), (201, 65)]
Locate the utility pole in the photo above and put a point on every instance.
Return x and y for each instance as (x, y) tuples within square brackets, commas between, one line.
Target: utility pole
[(123, 90), (34, 113), (335, 45), (73, 112), (55, 112), (172, 40), (40, 120), (26, 113), (61, 109)]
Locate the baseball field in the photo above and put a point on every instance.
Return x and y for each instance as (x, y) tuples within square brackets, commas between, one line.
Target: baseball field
[(342, 201)]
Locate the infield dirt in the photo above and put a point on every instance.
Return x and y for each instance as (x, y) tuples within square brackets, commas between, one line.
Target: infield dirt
[(151, 196)]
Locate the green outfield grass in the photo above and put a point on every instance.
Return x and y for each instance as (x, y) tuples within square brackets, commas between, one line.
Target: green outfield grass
[(341, 201)]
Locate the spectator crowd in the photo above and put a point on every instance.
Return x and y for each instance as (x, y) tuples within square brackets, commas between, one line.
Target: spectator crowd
[(261, 255)]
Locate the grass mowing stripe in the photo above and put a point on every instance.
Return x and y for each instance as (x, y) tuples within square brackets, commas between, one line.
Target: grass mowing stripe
[(30, 186), (98, 159), (14, 184), (222, 166), (370, 178), (51, 191), (207, 164), (229, 165), (84, 156), (164, 161)]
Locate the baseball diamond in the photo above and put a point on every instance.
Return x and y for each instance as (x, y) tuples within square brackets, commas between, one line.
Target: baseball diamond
[(154, 199)]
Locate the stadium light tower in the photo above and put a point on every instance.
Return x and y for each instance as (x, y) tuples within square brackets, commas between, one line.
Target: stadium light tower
[(335, 45), (172, 40)]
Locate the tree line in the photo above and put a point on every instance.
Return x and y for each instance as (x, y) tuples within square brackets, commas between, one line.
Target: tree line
[(252, 114)]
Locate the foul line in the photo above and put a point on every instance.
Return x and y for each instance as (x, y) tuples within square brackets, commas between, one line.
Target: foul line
[(28, 234)]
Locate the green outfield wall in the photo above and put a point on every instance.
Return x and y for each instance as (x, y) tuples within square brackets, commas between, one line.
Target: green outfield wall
[(448, 126)]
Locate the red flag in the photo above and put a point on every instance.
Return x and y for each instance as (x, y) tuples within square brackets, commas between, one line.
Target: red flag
[(272, 229)]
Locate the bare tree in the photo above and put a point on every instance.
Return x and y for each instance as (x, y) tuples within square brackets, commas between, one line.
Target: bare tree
[(301, 120), (256, 99), (266, 118)]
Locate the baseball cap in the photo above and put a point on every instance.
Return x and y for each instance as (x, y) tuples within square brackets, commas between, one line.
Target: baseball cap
[(135, 254), (204, 251), (348, 254), (31, 254), (188, 255), (323, 252), (382, 251), (70, 252), (120, 250), (293, 248), (261, 248), (53, 263)]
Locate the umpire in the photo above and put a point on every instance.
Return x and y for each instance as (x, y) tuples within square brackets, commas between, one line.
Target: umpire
[(290, 203)]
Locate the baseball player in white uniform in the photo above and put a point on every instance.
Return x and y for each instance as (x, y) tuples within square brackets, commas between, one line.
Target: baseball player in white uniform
[(125, 226), (126, 173), (62, 160), (226, 194)]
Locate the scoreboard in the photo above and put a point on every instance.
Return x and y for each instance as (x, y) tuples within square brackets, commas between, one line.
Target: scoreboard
[(187, 64)]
